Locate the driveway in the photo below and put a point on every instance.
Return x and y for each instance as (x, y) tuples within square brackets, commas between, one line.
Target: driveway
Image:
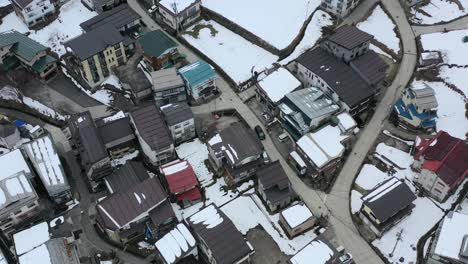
[(67, 88)]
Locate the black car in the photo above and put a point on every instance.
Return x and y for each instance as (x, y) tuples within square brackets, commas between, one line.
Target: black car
[(259, 132)]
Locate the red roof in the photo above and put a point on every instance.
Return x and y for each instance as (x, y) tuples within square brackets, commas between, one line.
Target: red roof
[(179, 176), (446, 156), (191, 195)]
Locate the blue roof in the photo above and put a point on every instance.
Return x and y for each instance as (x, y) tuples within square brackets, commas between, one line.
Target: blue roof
[(409, 111), (197, 73), (401, 109)]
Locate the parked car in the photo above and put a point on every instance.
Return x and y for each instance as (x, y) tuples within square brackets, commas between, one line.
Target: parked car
[(283, 137), (152, 9), (260, 133), (347, 258), (265, 157), (135, 35)]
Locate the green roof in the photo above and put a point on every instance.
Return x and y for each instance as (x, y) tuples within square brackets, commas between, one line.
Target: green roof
[(197, 73), (155, 43), (10, 63), (42, 63), (23, 46)]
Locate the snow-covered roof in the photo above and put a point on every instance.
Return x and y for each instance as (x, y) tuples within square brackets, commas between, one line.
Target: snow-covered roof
[(175, 244), (296, 215), (346, 121), (37, 255), (45, 159), (317, 250), (176, 6), (298, 159), (14, 189), (31, 238), (12, 163), (215, 140), (174, 167), (323, 145), (278, 84), (429, 55), (209, 217), (454, 229)]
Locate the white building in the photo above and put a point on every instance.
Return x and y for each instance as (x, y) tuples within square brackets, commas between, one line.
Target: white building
[(180, 120), (33, 12), (340, 8), (46, 161), (178, 14)]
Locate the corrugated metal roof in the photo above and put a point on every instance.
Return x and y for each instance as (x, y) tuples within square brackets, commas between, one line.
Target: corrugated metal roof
[(312, 102), (349, 37), (131, 173), (166, 79), (371, 67), (117, 17), (197, 73), (23, 46), (156, 43), (177, 113)]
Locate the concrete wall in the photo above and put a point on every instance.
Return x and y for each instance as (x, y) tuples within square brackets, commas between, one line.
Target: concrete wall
[(339, 8), (343, 53)]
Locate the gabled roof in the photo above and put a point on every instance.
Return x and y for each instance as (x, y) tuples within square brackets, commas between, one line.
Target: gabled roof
[(388, 198), (7, 130), (179, 175), (22, 3), (342, 78), (445, 155), (371, 67), (117, 17), (349, 37), (312, 102), (156, 43), (114, 130), (166, 79), (43, 62), (129, 174), (220, 235), (123, 207), (274, 181), (197, 73), (424, 98), (149, 122), (278, 84), (177, 113), (23, 46), (92, 42)]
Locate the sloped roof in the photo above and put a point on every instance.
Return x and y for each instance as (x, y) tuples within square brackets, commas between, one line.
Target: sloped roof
[(197, 73), (275, 182), (43, 62), (150, 124), (371, 67), (177, 113), (23, 46), (166, 79), (349, 36), (127, 175), (115, 129), (22, 3), (123, 207), (389, 198), (342, 78), (117, 17), (179, 175), (156, 43), (312, 102), (7, 130)]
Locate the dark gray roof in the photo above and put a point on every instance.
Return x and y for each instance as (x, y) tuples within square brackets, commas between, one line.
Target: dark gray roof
[(389, 198), (7, 130), (224, 240), (344, 80), (117, 17), (371, 67), (94, 41), (131, 173), (115, 129), (275, 182), (160, 214), (150, 124), (120, 208), (177, 113), (89, 138), (240, 138), (166, 79), (134, 77), (349, 36), (22, 3)]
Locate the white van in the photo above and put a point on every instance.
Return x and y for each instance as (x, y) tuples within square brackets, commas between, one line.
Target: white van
[(283, 137)]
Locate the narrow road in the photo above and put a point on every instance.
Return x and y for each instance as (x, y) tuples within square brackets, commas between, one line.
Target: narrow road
[(461, 23)]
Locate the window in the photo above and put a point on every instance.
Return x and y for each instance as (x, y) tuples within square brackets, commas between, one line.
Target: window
[(18, 212), (437, 190)]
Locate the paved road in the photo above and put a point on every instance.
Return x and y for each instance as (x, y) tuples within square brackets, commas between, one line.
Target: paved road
[(457, 24)]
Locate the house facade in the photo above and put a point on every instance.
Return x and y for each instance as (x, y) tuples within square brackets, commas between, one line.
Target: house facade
[(273, 88), (102, 5), (442, 163), (178, 15), (417, 109), (18, 50), (21, 203), (339, 8), (347, 43), (305, 110), (297, 219), (168, 87), (180, 120), (386, 205), (237, 151), (200, 80), (159, 50), (153, 134), (9, 136), (33, 12), (273, 186), (88, 145)]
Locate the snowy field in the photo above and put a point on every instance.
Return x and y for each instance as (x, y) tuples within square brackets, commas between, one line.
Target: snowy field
[(382, 28), (423, 217), (65, 27), (251, 206), (457, 76), (2, 4), (274, 21), (234, 54), (311, 35), (439, 11), (195, 152), (452, 47), (451, 110)]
